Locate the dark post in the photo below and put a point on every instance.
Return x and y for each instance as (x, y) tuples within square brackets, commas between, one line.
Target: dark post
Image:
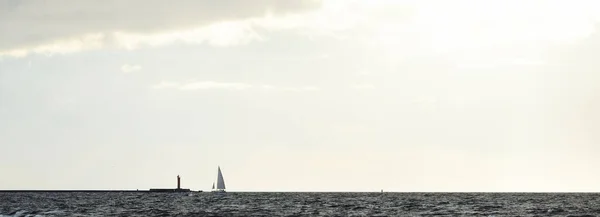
[(178, 182)]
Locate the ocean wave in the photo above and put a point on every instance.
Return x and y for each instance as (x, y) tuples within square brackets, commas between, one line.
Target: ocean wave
[(298, 204)]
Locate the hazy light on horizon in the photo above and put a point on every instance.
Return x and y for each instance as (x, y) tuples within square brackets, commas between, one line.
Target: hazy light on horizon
[(308, 95)]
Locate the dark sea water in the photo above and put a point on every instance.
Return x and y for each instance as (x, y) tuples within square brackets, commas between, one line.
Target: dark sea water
[(298, 204)]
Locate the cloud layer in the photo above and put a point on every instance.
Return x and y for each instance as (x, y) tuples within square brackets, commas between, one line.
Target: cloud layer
[(36, 23), (206, 85)]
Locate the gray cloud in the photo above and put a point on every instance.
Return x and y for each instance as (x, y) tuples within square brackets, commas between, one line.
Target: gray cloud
[(36, 22)]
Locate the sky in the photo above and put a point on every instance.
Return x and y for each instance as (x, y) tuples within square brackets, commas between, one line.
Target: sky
[(300, 95)]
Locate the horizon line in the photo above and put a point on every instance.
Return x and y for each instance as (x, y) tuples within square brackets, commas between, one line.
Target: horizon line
[(197, 191)]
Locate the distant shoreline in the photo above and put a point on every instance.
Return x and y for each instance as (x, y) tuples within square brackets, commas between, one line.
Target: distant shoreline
[(335, 192), (58, 191), (86, 191)]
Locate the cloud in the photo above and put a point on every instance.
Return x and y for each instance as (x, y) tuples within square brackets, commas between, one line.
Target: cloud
[(207, 85), (130, 68), (63, 46), (83, 26), (397, 27), (39, 26), (218, 34)]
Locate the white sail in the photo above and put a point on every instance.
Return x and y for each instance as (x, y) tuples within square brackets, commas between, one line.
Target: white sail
[(220, 181)]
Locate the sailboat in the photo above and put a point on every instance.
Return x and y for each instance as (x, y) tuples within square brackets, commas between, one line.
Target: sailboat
[(220, 187)]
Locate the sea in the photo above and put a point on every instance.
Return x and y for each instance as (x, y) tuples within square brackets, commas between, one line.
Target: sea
[(298, 204)]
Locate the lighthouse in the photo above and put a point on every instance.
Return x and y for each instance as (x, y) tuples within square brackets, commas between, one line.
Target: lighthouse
[(178, 189)]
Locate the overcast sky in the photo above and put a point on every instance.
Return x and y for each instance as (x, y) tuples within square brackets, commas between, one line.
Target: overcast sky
[(300, 95)]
